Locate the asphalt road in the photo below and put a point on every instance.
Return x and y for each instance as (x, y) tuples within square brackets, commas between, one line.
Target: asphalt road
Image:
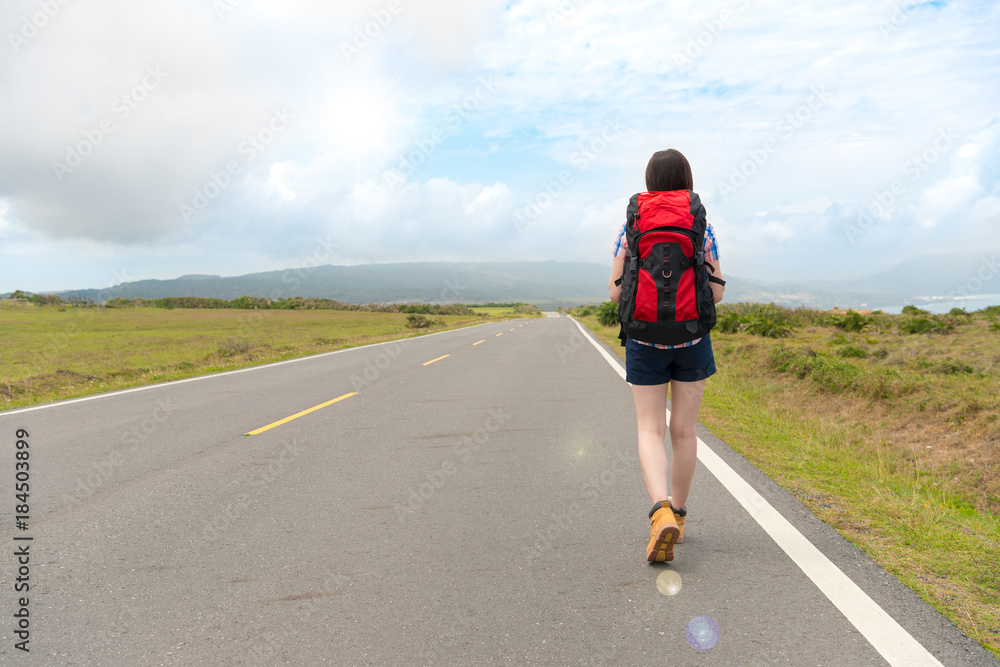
[(485, 508)]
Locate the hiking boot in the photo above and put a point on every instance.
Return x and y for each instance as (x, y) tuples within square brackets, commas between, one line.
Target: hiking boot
[(679, 518), (663, 532)]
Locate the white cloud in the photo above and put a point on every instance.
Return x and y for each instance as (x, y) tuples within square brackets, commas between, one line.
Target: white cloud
[(721, 81)]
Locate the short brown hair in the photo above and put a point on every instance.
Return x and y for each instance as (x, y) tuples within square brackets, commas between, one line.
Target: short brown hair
[(668, 170)]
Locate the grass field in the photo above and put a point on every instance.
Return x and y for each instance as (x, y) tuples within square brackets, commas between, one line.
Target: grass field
[(50, 354), (890, 437)]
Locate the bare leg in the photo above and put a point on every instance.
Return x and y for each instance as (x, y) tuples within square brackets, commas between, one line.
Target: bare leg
[(651, 418), (684, 404)]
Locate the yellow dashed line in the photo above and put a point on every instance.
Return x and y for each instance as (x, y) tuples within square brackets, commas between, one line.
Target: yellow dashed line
[(299, 414), (500, 334), (512, 328), (478, 342), (428, 363)]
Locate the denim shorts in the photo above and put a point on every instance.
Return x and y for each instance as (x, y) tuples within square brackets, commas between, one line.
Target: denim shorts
[(645, 364)]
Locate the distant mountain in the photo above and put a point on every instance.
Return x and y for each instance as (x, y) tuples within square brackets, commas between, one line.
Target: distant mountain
[(548, 284)]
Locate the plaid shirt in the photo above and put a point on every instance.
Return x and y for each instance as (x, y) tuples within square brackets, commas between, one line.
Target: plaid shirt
[(711, 255)]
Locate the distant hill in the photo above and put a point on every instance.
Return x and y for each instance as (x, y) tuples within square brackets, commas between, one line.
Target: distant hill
[(547, 284)]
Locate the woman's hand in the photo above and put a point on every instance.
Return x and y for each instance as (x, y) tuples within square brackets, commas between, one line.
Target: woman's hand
[(717, 289), (614, 291), (617, 268)]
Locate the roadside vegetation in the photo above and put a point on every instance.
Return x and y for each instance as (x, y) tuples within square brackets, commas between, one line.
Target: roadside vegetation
[(53, 349), (885, 426)]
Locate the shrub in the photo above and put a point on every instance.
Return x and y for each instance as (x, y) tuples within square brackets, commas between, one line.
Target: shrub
[(172, 302), (607, 313), (952, 367), (850, 321), (829, 373), (852, 351), (232, 346), (769, 328), (990, 311), (417, 321), (920, 325), (913, 310), (118, 302), (729, 322)]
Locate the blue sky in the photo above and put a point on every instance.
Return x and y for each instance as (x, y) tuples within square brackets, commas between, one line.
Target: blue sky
[(155, 139)]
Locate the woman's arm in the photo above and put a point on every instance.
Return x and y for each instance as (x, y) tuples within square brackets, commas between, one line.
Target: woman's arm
[(717, 289), (617, 268)]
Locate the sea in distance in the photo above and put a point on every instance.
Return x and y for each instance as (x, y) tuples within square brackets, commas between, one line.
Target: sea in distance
[(944, 304)]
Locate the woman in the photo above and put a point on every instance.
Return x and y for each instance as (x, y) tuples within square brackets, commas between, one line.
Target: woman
[(651, 369)]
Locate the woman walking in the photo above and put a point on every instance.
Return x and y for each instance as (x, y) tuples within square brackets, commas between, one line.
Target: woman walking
[(653, 368)]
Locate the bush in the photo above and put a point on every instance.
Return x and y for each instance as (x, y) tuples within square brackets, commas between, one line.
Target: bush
[(172, 302), (829, 373), (768, 328), (852, 351), (230, 347), (118, 302), (913, 310), (920, 325), (607, 313), (990, 311), (952, 367), (417, 321), (850, 321), (729, 322)]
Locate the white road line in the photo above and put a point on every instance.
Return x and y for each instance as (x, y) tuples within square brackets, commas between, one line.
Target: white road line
[(172, 383), (894, 644)]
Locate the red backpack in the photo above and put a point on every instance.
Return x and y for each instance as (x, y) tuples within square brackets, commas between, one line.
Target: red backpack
[(666, 297)]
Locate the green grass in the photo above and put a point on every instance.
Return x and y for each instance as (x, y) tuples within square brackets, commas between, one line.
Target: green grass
[(890, 437), (51, 354)]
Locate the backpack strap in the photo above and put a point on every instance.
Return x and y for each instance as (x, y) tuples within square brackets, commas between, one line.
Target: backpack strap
[(713, 279)]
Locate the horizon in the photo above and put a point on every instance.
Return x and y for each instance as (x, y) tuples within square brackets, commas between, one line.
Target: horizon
[(232, 139), (787, 294)]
